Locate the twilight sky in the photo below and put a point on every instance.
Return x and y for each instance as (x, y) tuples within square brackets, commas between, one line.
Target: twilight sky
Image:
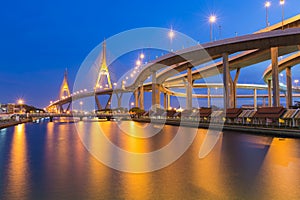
[(40, 38)]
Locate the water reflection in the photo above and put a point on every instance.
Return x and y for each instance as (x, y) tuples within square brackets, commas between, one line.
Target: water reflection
[(18, 171), (118, 150), (49, 161), (2, 138), (65, 159), (280, 171)]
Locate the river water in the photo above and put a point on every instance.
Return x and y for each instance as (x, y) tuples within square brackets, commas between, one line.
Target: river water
[(48, 160)]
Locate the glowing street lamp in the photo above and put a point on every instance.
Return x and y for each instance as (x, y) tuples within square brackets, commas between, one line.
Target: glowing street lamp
[(20, 101), (142, 56), (281, 77), (171, 34), (296, 82), (138, 63), (282, 13), (81, 103), (267, 5), (212, 19)]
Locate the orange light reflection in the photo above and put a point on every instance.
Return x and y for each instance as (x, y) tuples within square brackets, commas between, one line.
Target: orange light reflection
[(18, 174)]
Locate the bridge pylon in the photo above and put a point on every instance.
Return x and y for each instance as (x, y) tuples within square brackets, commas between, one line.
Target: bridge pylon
[(64, 92), (64, 88), (103, 80)]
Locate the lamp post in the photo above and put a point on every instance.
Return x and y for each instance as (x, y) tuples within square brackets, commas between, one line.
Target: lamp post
[(138, 63), (80, 103), (171, 35), (281, 77), (212, 19), (142, 56), (21, 102), (296, 83), (267, 5), (282, 12)]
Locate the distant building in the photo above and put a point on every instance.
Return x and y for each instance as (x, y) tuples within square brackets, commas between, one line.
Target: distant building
[(7, 108), (11, 108), (1, 109)]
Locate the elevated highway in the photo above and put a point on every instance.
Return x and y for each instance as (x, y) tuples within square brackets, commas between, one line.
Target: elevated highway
[(256, 48)]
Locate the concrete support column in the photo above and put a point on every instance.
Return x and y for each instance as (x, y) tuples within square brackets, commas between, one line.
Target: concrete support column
[(289, 92), (275, 79), (189, 88), (226, 81), (108, 104), (136, 97), (68, 108), (119, 98), (61, 109), (208, 98), (155, 90), (157, 94), (233, 97), (168, 101), (255, 98), (98, 103), (165, 101), (269, 93), (141, 98)]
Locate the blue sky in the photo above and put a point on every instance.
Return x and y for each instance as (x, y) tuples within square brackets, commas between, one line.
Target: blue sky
[(40, 38)]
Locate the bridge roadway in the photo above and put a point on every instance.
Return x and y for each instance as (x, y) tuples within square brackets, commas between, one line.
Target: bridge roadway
[(82, 95), (243, 59), (287, 40), (283, 64), (241, 96)]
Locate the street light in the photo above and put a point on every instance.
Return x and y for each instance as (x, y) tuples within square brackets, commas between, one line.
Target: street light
[(81, 103), (138, 63), (267, 5), (282, 13), (171, 35), (296, 82), (212, 19), (142, 56), (281, 77), (21, 102)]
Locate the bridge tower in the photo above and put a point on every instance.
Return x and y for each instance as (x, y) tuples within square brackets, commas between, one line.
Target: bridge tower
[(63, 93), (64, 88), (103, 80)]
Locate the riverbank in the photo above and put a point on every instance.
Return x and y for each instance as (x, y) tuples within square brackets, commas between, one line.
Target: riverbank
[(7, 124), (256, 130)]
